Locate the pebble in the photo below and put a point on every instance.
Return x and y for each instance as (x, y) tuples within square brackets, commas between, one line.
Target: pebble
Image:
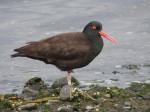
[(29, 106), (32, 88), (97, 110), (89, 107), (127, 105), (114, 79), (67, 108), (65, 92), (107, 95)]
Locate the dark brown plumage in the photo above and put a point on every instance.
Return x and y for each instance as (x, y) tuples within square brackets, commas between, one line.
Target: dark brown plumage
[(64, 50), (67, 51)]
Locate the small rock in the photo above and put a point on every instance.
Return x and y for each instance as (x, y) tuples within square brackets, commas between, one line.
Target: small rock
[(114, 79), (89, 107), (15, 90), (65, 92), (33, 87), (116, 105), (99, 100), (29, 106), (67, 108), (59, 83), (115, 72), (131, 66), (28, 94), (146, 96), (127, 105), (36, 83), (97, 110), (107, 95)]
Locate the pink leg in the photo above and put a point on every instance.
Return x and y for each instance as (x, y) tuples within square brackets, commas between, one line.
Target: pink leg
[(69, 77), (69, 82)]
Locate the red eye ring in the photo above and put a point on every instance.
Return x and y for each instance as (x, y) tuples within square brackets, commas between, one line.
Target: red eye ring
[(93, 27)]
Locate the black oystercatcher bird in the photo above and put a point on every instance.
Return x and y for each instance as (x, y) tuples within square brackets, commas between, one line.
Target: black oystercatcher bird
[(67, 51)]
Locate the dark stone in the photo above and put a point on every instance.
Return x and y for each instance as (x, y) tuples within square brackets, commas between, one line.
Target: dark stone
[(36, 83), (131, 66), (14, 90), (33, 88), (115, 72), (114, 79)]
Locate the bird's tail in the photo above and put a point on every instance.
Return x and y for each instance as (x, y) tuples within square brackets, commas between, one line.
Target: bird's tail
[(26, 50), (19, 52), (17, 55)]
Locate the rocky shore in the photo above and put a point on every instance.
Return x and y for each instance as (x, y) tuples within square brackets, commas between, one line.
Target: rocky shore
[(37, 96)]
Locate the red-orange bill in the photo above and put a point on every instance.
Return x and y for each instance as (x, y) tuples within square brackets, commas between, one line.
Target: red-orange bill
[(105, 35)]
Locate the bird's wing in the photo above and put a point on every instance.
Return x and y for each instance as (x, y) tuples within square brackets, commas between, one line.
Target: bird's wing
[(65, 46)]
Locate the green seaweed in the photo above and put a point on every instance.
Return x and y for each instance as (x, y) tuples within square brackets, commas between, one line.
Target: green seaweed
[(140, 89), (115, 99), (5, 104)]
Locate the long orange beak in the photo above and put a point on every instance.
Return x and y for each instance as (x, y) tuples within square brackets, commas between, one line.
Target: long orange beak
[(105, 35)]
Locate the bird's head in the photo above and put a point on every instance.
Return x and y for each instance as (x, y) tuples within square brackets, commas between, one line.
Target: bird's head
[(95, 27)]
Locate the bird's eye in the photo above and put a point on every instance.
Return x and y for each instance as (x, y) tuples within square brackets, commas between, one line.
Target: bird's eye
[(93, 27)]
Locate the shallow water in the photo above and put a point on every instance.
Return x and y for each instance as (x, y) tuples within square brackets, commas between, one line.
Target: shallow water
[(27, 20)]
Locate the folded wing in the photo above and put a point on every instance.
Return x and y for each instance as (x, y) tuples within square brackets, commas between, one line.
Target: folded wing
[(66, 46)]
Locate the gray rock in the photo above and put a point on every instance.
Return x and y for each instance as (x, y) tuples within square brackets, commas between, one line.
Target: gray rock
[(28, 93), (33, 87), (131, 66), (65, 108), (99, 100), (59, 83), (146, 96), (29, 106), (36, 83), (127, 105), (65, 92)]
